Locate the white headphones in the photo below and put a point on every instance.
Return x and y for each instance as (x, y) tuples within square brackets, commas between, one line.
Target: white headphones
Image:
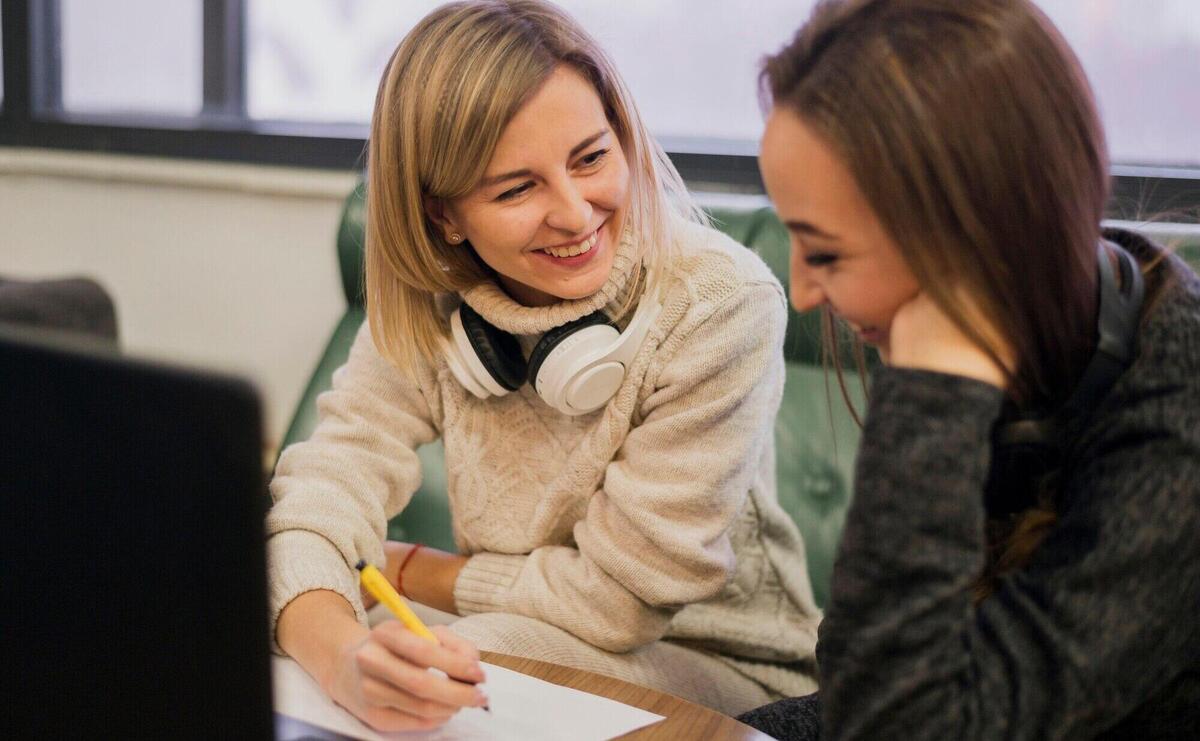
[(575, 368)]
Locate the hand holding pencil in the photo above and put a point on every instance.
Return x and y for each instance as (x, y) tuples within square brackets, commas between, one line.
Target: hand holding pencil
[(383, 675), (378, 586)]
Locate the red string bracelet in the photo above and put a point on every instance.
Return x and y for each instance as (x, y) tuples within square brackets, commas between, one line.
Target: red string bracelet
[(400, 574)]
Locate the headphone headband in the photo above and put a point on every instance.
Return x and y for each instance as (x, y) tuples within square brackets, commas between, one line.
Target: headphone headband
[(1033, 444)]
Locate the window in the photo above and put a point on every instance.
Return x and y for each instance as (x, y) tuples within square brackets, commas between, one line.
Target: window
[(1142, 59), (294, 80), (132, 56), (317, 60), (693, 65)]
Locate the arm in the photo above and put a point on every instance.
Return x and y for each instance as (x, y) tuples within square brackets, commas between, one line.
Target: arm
[(335, 492), (380, 674), (333, 496), (1095, 624), (655, 536)]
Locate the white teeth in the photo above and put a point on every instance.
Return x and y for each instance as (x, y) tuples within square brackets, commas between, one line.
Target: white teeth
[(574, 249)]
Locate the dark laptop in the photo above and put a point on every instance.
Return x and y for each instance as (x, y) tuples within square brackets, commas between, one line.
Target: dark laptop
[(132, 571)]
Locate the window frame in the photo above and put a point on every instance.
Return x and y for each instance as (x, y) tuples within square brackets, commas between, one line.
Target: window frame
[(32, 116)]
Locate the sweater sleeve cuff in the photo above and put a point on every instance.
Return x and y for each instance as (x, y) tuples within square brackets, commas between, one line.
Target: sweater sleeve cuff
[(484, 582), (300, 561), (925, 387), (939, 400)]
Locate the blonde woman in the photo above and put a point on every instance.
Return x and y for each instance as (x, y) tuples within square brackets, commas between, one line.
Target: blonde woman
[(603, 369)]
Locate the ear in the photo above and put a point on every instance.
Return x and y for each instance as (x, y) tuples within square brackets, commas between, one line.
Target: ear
[(436, 211)]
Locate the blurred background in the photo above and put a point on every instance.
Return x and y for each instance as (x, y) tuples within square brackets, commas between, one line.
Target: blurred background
[(192, 155)]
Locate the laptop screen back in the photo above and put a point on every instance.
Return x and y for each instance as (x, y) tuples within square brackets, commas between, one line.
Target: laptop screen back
[(131, 549)]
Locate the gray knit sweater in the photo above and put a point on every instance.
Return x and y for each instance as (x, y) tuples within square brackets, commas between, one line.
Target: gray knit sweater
[(1096, 637)]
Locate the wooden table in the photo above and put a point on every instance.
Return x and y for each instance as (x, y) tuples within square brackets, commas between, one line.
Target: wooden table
[(682, 719)]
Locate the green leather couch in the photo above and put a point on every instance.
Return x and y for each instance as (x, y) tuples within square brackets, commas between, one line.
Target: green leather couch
[(816, 437)]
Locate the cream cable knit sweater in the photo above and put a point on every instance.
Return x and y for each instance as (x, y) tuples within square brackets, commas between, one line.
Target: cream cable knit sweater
[(653, 517)]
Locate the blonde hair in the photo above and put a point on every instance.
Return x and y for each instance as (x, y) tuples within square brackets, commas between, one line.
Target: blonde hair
[(449, 90)]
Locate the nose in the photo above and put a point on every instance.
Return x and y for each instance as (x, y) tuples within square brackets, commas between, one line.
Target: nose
[(570, 212), (806, 293)]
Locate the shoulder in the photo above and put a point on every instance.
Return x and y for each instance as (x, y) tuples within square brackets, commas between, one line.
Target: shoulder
[(368, 367), (715, 264), (717, 288), (711, 269), (1134, 470), (1158, 397), (1162, 388), (1169, 330)]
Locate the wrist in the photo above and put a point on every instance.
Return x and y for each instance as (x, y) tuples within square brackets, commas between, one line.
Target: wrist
[(404, 564), (317, 629), (430, 576)]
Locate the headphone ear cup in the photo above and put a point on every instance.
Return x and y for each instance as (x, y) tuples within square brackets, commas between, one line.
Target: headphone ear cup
[(556, 336), (497, 351)]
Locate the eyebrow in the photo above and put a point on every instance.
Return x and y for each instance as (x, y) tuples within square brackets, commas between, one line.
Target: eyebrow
[(497, 179), (805, 227)]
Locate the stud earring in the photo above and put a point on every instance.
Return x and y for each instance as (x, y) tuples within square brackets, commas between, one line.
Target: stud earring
[(455, 238)]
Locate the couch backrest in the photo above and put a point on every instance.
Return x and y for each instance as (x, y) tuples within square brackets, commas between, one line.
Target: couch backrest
[(350, 245)]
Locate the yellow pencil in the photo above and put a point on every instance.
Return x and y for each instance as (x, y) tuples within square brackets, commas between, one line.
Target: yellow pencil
[(381, 589)]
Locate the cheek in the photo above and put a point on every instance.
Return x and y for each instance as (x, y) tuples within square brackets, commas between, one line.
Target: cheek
[(505, 228), (613, 184), (888, 299)]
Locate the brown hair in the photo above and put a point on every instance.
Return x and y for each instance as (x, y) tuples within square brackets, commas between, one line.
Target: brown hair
[(971, 130), (452, 85)]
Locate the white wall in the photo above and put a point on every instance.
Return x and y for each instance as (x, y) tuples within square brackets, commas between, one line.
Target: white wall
[(230, 267)]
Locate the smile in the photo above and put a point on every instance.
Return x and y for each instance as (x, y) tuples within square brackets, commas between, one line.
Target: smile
[(571, 250), (869, 335)]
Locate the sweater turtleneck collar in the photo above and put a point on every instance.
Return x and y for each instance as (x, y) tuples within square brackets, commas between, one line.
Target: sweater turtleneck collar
[(504, 313)]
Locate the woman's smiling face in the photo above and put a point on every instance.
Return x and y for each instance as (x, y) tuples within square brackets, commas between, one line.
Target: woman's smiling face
[(841, 254), (548, 214)]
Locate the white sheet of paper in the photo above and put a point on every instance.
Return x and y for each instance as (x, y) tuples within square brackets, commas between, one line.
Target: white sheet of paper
[(523, 708)]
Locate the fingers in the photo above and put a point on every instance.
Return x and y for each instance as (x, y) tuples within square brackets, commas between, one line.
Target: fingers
[(389, 720), (453, 655), (380, 694), (396, 657), (456, 643)]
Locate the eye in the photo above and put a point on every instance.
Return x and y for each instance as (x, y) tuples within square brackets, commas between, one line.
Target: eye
[(593, 158), (820, 259), (512, 193)]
